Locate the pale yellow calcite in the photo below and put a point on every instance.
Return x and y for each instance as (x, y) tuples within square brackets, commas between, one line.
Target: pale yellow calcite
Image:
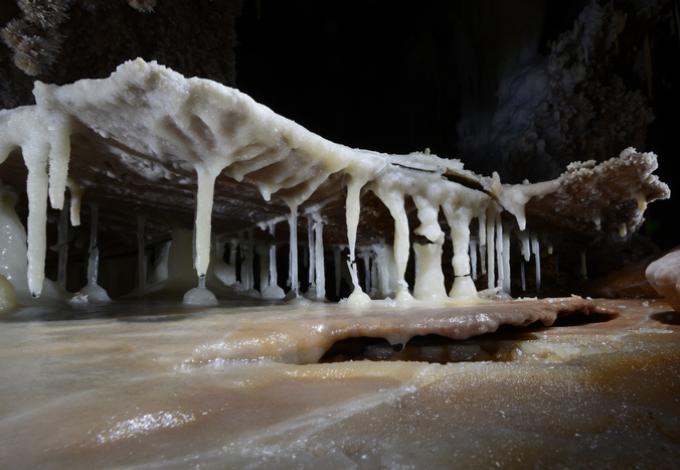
[(8, 297), (121, 386)]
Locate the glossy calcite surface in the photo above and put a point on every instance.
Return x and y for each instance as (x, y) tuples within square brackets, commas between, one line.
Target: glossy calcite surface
[(146, 138), (133, 384), (664, 275)]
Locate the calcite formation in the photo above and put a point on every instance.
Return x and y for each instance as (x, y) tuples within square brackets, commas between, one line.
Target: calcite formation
[(303, 338), (664, 275), (7, 295), (245, 384), (146, 137)]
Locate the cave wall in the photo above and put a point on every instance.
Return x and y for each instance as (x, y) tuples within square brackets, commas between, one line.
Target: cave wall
[(60, 41)]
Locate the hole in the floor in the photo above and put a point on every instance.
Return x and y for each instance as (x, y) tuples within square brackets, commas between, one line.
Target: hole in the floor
[(499, 346), (583, 318), (668, 318)]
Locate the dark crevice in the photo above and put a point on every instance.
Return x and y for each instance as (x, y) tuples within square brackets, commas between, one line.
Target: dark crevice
[(499, 346), (667, 318), (583, 318), (430, 348)]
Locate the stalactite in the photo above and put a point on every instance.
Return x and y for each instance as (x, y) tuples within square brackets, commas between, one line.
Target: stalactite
[(352, 211), (584, 266), (206, 176), (319, 268), (248, 261), (473, 258), (337, 268), (383, 265), (141, 254), (269, 282), (365, 259), (429, 283), (43, 132), (273, 273), (263, 266), (500, 265), (58, 134), (93, 261), (394, 201), (490, 247), (62, 247), (76, 199), (375, 275), (536, 251), (507, 277), (459, 220), (223, 271), (311, 264), (481, 233), (241, 265), (203, 225), (35, 158), (93, 292), (293, 252), (525, 245)]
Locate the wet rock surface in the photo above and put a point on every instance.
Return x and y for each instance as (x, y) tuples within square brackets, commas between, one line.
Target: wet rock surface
[(664, 275), (118, 388)]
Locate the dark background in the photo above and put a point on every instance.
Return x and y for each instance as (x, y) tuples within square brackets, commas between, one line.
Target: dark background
[(397, 77)]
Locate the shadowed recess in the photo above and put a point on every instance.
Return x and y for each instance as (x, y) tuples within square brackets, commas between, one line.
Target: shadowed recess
[(499, 346), (668, 318)]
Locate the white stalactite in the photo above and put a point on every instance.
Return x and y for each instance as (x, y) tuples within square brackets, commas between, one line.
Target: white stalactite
[(526, 249), (203, 224), (270, 281), (93, 261), (507, 278), (62, 248), (35, 158), (293, 252), (311, 264), (499, 252), (429, 285), (319, 268), (473, 258), (248, 262), (93, 292), (394, 201), (58, 130), (337, 268), (352, 211), (76, 201), (459, 220), (365, 259), (141, 254), (536, 251), (490, 247), (43, 132), (481, 233)]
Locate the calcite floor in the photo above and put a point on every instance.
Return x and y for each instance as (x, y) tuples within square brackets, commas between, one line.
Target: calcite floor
[(154, 385)]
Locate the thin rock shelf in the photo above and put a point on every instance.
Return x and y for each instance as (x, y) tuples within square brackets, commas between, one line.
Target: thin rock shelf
[(146, 137)]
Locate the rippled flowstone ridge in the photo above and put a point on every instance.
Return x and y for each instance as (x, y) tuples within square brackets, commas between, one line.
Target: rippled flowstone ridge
[(146, 139), (264, 386)]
